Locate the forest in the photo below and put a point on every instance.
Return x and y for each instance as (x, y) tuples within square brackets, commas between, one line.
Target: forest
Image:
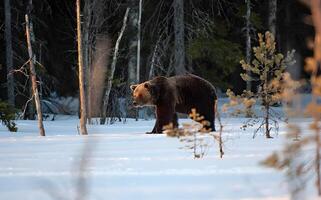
[(213, 41), (71, 70)]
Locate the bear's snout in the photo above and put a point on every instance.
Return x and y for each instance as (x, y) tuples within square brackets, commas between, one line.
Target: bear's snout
[(138, 102)]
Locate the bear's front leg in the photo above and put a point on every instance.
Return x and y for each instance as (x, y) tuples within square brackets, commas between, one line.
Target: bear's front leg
[(154, 129), (164, 116)]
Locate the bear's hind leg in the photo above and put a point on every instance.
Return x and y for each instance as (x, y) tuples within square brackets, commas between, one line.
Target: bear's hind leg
[(211, 120)]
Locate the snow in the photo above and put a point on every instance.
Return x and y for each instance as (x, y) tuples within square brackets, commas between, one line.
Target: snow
[(123, 163)]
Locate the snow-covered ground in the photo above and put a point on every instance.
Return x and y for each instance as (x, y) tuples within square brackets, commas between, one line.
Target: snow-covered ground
[(122, 162)]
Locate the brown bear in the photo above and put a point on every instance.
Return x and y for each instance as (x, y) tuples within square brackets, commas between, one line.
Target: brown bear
[(176, 94)]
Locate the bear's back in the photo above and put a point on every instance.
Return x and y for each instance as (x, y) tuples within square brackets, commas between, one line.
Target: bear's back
[(192, 89)]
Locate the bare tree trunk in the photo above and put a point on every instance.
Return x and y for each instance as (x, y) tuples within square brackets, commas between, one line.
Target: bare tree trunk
[(138, 40), (9, 60), (267, 108), (272, 16), (34, 79), (86, 46), (98, 73), (96, 52), (248, 41), (179, 63), (133, 43), (152, 65), (31, 107), (267, 121), (83, 108), (112, 70)]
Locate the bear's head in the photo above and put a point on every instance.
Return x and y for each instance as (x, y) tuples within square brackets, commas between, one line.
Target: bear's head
[(142, 94), (151, 92)]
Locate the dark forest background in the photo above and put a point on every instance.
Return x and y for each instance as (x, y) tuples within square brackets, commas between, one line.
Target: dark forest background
[(214, 38)]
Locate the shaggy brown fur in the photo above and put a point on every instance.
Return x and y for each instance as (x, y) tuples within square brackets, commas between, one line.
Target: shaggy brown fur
[(176, 94)]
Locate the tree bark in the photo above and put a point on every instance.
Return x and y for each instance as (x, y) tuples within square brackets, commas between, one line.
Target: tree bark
[(9, 60), (112, 70), (133, 43), (272, 16), (98, 74), (152, 65), (139, 40), (31, 107), (34, 79), (179, 63), (86, 60), (248, 41), (83, 108)]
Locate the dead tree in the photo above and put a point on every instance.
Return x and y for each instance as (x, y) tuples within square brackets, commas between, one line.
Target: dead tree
[(9, 60), (34, 79), (31, 107), (112, 70), (86, 51), (83, 108), (179, 37)]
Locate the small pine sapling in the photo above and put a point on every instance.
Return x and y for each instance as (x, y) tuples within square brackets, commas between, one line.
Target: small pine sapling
[(266, 69), (301, 157), (299, 165), (189, 134)]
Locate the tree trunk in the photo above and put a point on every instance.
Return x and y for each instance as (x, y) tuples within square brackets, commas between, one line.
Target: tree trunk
[(139, 40), (83, 108), (272, 16), (34, 79), (133, 43), (267, 121), (9, 60), (98, 73), (248, 41), (96, 52), (31, 107), (133, 46), (267, 107), (179, 63), (152, 65), (86, 46), (112, 70)]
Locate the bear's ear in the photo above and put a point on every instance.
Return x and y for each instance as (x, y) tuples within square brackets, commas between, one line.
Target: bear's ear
[(147, 85), (150, 87), (133, 87)]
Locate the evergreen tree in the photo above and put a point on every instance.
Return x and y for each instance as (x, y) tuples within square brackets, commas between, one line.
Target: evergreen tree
[(267, 68)]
